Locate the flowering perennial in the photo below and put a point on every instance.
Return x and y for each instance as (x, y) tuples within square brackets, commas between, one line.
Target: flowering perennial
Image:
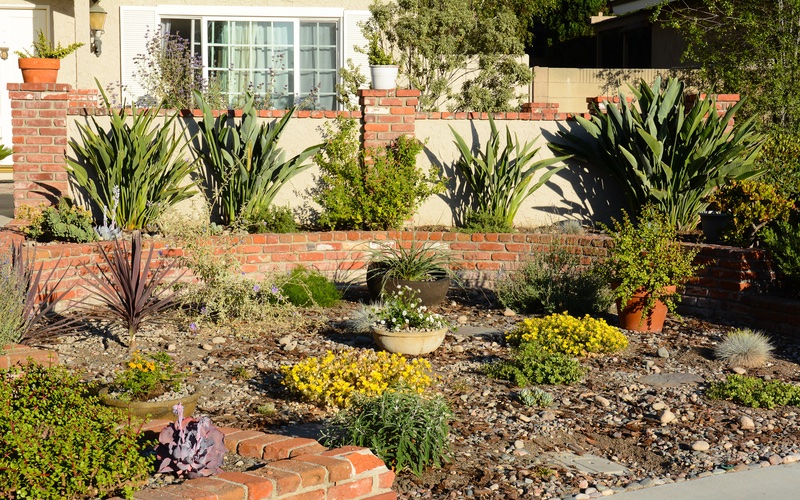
[(568, 335), (335, 378), (403, 310)]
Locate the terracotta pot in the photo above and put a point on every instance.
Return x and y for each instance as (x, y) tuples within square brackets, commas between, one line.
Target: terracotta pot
[(631, 317), (432, 293), (153, 410), (410, 343), (36, 70)]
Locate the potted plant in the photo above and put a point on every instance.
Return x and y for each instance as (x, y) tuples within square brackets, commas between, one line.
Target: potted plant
[(42, 65), (424, 268), (401, 324), (149, 386), (383, 67), (645, 266)]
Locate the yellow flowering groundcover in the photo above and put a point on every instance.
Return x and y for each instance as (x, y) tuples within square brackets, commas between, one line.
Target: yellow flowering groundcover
[(333, 379), (568, 335)]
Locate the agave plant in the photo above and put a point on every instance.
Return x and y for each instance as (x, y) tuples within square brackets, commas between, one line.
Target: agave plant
[(245, 168), (130, 287), (501, 180), (663, 155), (190, 447)]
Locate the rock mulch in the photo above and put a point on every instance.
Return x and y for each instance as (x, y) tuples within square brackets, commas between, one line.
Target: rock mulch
[(643, 411)]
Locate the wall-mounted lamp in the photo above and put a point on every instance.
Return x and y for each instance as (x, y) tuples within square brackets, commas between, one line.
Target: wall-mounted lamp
[(97, 21)]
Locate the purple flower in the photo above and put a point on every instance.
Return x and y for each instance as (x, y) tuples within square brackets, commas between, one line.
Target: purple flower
[(274, 289), (256, 288), (193, 326), (203, 310)]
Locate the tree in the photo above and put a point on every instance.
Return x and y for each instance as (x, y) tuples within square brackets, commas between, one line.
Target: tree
[(750, 47), (569, 19)]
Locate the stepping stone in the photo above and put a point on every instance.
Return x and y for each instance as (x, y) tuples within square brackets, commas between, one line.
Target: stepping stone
[(589, 464), (670, 379)]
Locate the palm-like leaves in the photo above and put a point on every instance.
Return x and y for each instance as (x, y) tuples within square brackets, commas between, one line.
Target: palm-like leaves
[(501, 180), (661, 154), (245, 168)]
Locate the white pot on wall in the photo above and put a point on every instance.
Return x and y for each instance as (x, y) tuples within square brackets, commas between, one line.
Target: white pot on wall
[(384, 77)]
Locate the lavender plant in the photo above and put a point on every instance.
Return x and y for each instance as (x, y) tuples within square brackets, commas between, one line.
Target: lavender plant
[(190, 447)]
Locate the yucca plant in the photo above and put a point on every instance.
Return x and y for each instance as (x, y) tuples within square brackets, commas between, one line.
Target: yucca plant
[(244, 167), (500, 181), (143, 158), (129, 286), (663, 155)]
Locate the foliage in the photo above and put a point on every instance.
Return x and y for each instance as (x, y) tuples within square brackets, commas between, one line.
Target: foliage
[(492, 89), (351, 80), (500, 181), (374, 193), (745, 348), (646, 257), (59, 442), (143, 160), (131, 291), (65, 222), (755, 392), (780, 161), (747, 47), (270, 219), (752, 205), (783, 243), (244, 166), (402, 310), (535, 397), (12, 291), (378, 50), (305, 287), (438, 38), (44, 48), (413, 262), (568, 19), (5, 151), (554, 281), (660, 154), (531, 364), (170, 72), (565, 334), (336, 377), (231, 296), (476, 221), (404, 429), (147, 376), (109, 230), (190, 447)]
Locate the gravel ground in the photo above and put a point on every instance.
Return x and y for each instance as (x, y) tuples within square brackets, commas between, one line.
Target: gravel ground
[(644, 409)]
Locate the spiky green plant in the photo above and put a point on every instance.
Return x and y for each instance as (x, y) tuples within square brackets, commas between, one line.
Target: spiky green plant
[(663, 155), (745, 348), (501, 180)]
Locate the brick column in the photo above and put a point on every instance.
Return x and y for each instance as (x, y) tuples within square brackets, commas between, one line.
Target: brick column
[(39, 127), (387, 114)]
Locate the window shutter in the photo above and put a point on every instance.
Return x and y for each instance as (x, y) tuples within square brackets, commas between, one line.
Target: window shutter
[(353, 37), (137, 26)]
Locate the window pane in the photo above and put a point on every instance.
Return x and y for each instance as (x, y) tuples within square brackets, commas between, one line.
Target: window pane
[(218, 57), (327, 81), (241, 32), (308, 33), (327, 34), (218, 32), (326, 58), (326, 102), (282, 33), (308, 81), (261, 33), (307, 57)]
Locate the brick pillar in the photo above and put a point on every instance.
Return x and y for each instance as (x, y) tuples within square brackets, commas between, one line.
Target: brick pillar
[(387, 114), (39, 127)]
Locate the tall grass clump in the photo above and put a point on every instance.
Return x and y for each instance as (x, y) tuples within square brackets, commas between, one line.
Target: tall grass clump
[(745, 348)]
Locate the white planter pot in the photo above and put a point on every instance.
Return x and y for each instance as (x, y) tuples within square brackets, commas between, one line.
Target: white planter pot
[(384, 77)]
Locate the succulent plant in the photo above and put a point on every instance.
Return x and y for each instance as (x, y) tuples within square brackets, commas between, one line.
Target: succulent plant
[(190, 447), (535, 397)]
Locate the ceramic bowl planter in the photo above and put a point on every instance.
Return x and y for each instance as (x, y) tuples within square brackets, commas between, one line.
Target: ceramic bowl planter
[(431, 293), (633, 316), (409, 342), (153, 410)]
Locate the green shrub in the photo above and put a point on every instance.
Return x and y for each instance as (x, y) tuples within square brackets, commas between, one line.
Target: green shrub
[(564, 334), (752, 205), (12, 305), (270, 219), (404, 429), (554, 282), (477, 221), (379, 193), (780, 161), (60, 442), (531, 364), (232, 296), (755, 392), (783, 242), (65, 222), (745, 348), (305, 287)]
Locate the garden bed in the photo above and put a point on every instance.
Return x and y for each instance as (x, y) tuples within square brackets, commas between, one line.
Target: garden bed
[(501, 448)]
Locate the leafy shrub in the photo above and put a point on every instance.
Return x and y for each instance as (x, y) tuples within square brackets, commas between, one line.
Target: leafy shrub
[(334, 379), (477, 221), (744, 348), (499, 181), (190, 447), (5, 151), (531, 364), (783, 243), (60, 442), (554, 281), (379, 193), (12, 305), (752, 205), (780, 162), (147, 376), (305, 287), (755, 392), (661, 155), (65, 222), (233, 296), (535, 397), (562, 333), (404, 429), (270, 219)]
